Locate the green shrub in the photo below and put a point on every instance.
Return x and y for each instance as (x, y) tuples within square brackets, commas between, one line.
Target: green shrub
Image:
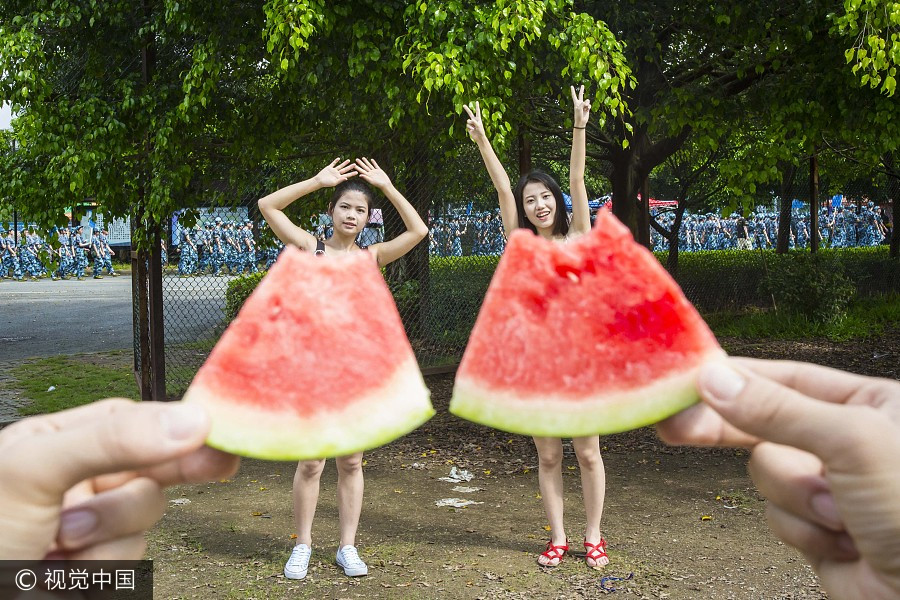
[(814, 286), (458, 286), (239, 289), (730, 280), (721, 279), (406, 296)]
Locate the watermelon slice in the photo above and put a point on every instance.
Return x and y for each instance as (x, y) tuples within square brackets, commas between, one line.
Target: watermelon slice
[(581, 339), (316, 365)]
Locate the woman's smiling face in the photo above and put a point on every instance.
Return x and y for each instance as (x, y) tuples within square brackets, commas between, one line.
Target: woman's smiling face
[(539, 204)]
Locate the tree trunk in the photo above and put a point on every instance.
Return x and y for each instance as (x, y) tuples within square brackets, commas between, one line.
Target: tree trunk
[(631, 166), (672, 262), (625, 181), (814, 202), (784, 213), (524, 154), (153, 230), (643, 232)]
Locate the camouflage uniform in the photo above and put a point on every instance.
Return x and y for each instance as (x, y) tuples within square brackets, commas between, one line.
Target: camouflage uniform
[(81, 247), (98, 254), (9, 260), (187, 260)]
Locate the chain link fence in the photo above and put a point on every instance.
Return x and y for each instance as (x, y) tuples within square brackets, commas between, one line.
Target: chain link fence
[(439, 286)]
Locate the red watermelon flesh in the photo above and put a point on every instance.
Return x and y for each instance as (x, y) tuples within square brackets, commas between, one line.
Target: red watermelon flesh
[(582, 338), (316, 364)]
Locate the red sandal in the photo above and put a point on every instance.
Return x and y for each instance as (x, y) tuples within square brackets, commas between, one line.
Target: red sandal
[(554, 552), (595, 552)]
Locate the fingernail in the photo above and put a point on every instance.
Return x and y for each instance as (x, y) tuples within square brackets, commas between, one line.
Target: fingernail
[(721, 382), (182, 421), (825, 508), (77, 524)]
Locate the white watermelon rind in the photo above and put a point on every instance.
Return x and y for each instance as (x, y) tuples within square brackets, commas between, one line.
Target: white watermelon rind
[(384, 414), (549, 416)]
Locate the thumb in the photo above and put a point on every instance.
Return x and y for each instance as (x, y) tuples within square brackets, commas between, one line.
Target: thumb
[(774, 412), (104, 437)]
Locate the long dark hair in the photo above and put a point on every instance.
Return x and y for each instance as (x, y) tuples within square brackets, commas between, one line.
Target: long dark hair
[(352, 185), (560, 218)]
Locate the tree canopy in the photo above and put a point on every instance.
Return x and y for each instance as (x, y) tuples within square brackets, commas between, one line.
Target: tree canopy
[(149, 107)]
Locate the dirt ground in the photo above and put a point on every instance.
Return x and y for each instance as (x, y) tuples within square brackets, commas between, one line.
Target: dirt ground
[(680, 522)]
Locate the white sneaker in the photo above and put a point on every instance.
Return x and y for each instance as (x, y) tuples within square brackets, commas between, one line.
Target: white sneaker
[(348, 558), (298, 563)]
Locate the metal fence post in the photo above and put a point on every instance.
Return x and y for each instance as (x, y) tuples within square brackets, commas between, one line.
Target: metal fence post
[(155, 323), (140, 315)]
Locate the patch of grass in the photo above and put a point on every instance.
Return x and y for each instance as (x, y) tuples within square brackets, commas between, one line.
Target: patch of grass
[(884, 309), (866, 317), (76, 381), (204, 346), (737, 499), (388, 551), (183, 361)]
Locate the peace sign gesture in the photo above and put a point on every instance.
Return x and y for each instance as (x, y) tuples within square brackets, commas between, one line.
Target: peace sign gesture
[(474, 125), (335, 173), (582, 107)]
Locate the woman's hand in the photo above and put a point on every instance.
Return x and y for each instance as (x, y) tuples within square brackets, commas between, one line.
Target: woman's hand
[(335, 173), (474, 124), (582, 107), (371, 173)]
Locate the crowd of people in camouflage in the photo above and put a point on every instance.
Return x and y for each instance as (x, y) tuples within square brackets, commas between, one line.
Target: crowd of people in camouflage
[(220, 247), (839, 227), (26, 254), (481, 234), (482, 231), (223, 247)]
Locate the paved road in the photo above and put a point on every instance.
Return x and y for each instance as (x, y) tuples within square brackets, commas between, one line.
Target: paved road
[(45, 318)]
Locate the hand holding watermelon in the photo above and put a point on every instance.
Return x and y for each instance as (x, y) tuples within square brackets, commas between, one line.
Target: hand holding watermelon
[(86, 483), (825, 446)]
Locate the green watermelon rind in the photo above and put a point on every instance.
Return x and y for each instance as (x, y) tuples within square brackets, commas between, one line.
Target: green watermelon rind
[(370, 422), (566, 417)]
